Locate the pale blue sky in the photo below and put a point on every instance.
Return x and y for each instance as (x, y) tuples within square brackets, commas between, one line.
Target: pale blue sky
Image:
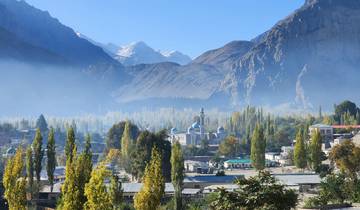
[(190, 26)]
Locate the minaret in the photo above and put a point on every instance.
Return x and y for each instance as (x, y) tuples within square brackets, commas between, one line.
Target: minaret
[(202, 123)]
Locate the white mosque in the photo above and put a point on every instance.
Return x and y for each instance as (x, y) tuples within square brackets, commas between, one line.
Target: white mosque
[(197, 132)]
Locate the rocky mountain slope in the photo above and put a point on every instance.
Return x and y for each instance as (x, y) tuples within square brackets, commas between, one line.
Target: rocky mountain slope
[(311, 58)]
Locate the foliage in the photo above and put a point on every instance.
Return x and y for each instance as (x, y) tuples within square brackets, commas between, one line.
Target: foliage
[(177, 174), (259, 192), (14, 183), (346, 107), (70, 144), (152, 191), (334, 189), (299, 151), (315, 150), (30, 169), (346, 156), (126, 140), (97, 194), (38, 154), (42, 124), (258, 145), (116, 132), (51, 157), (116, 192), (141, 155), (71, 194), (230, 147)]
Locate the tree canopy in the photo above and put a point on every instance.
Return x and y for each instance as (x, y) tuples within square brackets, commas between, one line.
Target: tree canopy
[(258, 192)]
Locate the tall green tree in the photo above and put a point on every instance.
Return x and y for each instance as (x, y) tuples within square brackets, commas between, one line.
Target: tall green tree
[(177, 174), (116, 192), (113, 139), (14, 183), (42, 124), (38, 154), (126, 140), (97, 194), (51, 158), (258, 145), (71, 198), (142, 153), (315, 150), (230, 147), (300, 151), (152, 191), (70, 143), (30, 169)]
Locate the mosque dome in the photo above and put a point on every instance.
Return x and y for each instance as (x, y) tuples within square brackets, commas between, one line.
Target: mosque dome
[(173, 130), (11, 151), (220, 129), (195, 125), (190, 129)]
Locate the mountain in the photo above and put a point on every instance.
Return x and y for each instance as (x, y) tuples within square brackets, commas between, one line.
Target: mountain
[(11, 48), (308, 59), (169, 80), (140, 53), (39, 29), (225, 57), (176, 57)]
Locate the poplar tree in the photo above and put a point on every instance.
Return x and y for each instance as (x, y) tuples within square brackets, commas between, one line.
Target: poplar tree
[(116, 192), (299, 151), (38, 154), (315, 150), (71, 195), (152, 191), (177, 174), (96, 191), (258, 145), (14, 183), (126, 140), (30, 169), (51, 158), (70, 143)]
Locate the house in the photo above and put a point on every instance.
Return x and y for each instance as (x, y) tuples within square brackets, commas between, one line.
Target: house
[(246, 163), (326, 132)]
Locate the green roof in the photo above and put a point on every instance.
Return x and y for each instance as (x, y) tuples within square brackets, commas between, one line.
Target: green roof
[(237, 161), (242, 161)]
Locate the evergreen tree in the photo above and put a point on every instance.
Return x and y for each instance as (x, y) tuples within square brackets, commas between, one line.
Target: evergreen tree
[(315, 150), (51, 158), (30, 169), (152, 191), (258, 145), (116, 192), (14, 183), (177, 174), (96, 191), (38, 154), (126, 140), (299, 151), (42, 124), (70, 144)]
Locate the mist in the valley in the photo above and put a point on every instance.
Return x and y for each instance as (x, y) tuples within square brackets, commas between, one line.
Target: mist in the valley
[(29, 90)]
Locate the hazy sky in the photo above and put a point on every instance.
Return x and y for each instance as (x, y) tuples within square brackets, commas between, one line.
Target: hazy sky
[(190, 26)]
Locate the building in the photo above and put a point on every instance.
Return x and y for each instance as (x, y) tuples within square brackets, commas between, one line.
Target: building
[(246, 163), (326, 132), (197, 132), (194, 166)]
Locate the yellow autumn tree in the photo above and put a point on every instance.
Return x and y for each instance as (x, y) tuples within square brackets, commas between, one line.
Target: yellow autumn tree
[(14, 183), (97, 194), (152, 191)]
